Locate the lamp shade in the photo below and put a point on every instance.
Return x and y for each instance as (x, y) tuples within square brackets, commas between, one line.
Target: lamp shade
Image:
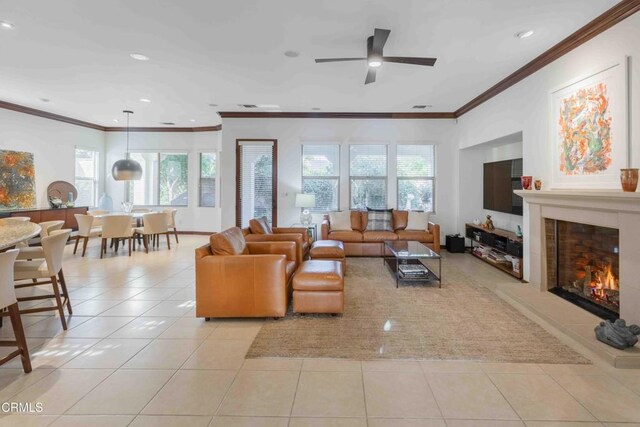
[(126, 170), (305, 200)]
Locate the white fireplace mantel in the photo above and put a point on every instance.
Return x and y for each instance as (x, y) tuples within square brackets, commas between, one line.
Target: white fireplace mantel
[(606, 208)]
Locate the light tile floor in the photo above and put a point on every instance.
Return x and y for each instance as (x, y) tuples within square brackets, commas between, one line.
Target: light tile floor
[(134, 355)]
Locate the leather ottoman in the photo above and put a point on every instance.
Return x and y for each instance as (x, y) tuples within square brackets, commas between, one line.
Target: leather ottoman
[(329, 250), (318, 287)]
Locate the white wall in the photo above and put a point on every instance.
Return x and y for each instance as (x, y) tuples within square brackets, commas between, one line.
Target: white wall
[(53, 144), (524, 107), (191, 217), (292, 133)]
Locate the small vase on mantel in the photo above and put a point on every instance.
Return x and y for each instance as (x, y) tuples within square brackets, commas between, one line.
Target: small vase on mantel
[(629, 179)]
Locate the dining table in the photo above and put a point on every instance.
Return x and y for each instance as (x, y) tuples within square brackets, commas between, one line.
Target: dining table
[(138, 216), (16, 232)]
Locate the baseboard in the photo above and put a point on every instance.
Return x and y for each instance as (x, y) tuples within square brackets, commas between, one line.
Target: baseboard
[(197, 233)]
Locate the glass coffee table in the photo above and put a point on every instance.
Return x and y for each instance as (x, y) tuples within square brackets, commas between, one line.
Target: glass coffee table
[(407, 261)]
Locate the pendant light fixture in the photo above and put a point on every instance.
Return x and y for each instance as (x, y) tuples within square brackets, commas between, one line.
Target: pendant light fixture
[(126, 169)]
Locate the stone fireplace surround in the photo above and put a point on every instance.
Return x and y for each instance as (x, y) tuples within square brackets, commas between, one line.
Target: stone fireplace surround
[(607, 208)]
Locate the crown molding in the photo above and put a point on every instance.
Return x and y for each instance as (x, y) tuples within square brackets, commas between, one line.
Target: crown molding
[(330, 115), (608, 19), (47, 115)]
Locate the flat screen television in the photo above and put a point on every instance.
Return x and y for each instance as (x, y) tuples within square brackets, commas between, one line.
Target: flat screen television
[(500, 179)]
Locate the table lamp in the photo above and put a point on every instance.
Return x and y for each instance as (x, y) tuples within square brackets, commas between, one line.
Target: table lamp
[(305, 201)]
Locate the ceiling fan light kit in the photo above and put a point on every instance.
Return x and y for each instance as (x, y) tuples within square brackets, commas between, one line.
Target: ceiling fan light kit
[(375, 57)]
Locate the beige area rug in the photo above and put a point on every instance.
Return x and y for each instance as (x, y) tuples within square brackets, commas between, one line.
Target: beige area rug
[(461, 321)]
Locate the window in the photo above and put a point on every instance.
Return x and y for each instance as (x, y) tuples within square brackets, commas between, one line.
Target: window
[(321, 175), (207, 179), (87, 177), (368, 176), (416, 174), (164, 180)]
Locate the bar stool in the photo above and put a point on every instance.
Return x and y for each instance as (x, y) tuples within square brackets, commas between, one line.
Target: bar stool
[(46, 272), (9, 302)]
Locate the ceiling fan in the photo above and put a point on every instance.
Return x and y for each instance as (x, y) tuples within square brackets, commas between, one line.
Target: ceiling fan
[(375, 58)]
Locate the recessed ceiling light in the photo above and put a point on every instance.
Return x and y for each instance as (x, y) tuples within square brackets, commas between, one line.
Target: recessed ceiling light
[(139, 56), (115, 120), (213, 105), (247, 105), (374, 63), (316, 109), (422, 106), (192, 120), (524, 34), (45, 99), (268, 106), (145, 100), (6, 25), (291, 54), (168, 123)]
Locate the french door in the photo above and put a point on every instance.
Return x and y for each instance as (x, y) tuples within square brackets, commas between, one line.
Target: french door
[(256, 180)]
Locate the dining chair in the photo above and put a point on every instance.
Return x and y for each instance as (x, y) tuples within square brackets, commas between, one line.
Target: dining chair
[(154, 224), (85, 230), (35, 252), (116, 228), (97, 222), (171, 221), (47, 271), (9, 303)]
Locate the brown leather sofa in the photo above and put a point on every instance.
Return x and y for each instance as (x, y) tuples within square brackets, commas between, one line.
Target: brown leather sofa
[(360, 242), (260, 231), (235, 278)]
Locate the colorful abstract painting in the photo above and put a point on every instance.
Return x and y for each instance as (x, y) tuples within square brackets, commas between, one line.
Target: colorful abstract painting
[(17, 180), (585, 131), (589, 129)]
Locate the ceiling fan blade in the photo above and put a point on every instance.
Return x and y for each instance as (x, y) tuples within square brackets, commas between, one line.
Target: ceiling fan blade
[(371, 76), (409, 60), (339, 59), (379, 39)]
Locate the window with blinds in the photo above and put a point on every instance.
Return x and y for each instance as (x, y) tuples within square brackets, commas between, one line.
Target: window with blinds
[(255, 181), (321, 175), (207, 179), (368, 176), (416, 177)]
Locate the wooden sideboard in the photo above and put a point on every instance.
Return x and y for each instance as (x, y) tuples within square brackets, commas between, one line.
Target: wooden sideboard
[(42, 215)]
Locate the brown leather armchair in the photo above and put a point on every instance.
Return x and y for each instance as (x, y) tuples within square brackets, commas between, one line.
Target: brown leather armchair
[(260, 231), (235, 278)]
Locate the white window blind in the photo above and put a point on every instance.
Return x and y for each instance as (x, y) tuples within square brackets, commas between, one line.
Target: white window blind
[(368, 176), (256, 181), (321, 175), (87, 177), (416, 177)]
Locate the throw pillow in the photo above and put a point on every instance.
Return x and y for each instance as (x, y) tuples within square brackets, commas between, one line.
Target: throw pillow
[(260, 226), (379, 220), (417, 220), (340, 221)]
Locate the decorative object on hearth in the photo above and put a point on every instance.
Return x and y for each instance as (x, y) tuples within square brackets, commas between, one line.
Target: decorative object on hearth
[(105, 203), (305, 201), (526, 182), (537, 184), (126, 169), (17, 180), (629, 179), (589, 131), (617, 334), (488, 224)]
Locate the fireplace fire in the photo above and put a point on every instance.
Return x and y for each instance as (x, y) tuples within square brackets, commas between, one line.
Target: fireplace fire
[(582, 266)]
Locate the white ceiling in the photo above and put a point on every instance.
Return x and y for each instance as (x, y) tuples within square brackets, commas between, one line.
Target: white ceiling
[(76, 53)]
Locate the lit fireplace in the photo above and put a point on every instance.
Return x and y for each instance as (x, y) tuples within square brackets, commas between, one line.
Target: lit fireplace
[(583, 265)]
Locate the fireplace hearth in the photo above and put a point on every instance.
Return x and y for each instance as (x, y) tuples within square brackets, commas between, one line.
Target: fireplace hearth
[(583, 266)]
